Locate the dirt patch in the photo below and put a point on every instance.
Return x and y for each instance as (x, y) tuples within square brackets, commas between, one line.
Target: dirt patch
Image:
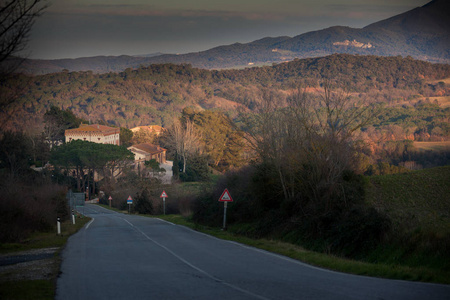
[(30, 265)]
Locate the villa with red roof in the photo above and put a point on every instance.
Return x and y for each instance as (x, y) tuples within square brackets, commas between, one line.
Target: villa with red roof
[(144, 152), (95, 133)]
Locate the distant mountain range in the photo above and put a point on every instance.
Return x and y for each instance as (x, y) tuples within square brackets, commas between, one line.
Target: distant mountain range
[(422, 33)]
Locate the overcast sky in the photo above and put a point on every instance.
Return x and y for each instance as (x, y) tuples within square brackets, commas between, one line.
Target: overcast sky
[(81, 28)]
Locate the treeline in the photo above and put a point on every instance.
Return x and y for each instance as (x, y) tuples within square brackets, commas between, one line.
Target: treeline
[(157, 93), (29, 199)]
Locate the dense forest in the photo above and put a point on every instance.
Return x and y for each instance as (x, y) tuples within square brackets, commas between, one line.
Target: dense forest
[(413, 93)]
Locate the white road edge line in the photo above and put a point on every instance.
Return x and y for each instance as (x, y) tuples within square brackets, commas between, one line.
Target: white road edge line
[(166, 221), (196, 268), (89, 224), (280, 256)]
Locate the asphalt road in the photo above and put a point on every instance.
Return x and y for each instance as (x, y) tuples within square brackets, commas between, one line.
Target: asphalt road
[(117, 256)]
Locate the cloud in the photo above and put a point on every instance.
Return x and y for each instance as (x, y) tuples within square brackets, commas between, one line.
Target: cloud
[(285, 11), (134, 10)]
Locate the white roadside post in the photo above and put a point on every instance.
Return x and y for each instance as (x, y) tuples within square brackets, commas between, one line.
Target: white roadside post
[(129, 202), (58, 226), (164, 196), (225, 198), (110, 199), (73, 217)]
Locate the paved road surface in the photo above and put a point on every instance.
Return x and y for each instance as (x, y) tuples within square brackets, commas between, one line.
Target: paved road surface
[(118, 256)]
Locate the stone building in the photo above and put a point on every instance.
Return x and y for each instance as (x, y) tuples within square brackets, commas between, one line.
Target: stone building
[(95, 133)]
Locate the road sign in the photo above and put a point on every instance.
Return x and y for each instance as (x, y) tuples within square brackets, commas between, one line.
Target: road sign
[(129, 202), (164, 196), (226, 197), (110, 198)]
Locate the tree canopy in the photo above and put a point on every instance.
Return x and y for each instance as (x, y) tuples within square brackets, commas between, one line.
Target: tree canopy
[(81, 157)]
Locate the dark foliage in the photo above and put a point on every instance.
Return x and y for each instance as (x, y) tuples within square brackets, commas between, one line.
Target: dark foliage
[(29, 207), (143, 202), (196, 169), (346, 227)]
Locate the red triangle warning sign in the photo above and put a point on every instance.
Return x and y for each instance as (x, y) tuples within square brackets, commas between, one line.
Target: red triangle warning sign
[(163, 195), (226, 197)]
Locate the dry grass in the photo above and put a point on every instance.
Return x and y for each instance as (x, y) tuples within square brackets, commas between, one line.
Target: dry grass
[(444, 101), (433, 146), (445, 80)]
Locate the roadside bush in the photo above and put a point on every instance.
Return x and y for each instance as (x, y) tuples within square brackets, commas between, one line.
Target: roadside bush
[(26, 209), (143, 202), (208, 210), (340, 224), (358, 231)]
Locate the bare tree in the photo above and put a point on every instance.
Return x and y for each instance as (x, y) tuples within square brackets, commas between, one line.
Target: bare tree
[(309, 142), (16, 19), (185, 139)]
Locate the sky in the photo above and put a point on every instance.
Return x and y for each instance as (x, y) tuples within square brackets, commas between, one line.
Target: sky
[(84, 28)]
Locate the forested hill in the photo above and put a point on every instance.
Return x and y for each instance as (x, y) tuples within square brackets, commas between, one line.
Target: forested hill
[(422, 33), (158, 93)]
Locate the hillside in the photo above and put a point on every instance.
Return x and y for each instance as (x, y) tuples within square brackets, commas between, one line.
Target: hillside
[(422, 33), (158, 93)]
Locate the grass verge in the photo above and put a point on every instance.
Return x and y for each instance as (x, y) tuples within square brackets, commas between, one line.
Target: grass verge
[(390, 271), (27, 290), (11, 289)]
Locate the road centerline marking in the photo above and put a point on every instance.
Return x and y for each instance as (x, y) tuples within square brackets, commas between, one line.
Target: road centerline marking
[(195, 267)]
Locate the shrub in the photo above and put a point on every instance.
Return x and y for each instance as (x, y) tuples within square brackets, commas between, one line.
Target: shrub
[(358, 230), (143, 202), (25, 209)]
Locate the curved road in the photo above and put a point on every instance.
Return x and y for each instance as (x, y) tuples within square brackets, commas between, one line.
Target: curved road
[(117, 256)]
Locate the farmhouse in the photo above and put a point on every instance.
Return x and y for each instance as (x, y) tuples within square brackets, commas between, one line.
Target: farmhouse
[(146, 151), (94, 133), (154, 129)]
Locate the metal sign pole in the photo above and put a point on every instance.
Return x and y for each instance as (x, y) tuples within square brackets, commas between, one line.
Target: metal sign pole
[(164, 196), (225, 215), (164, 204)]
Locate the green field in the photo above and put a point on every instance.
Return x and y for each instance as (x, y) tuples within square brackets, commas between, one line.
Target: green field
[(418, 205), (419, 199)]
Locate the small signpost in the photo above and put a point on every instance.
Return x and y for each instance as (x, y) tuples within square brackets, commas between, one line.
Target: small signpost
[(129, 202), (110, 199), (164, 196), (225, 198)]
